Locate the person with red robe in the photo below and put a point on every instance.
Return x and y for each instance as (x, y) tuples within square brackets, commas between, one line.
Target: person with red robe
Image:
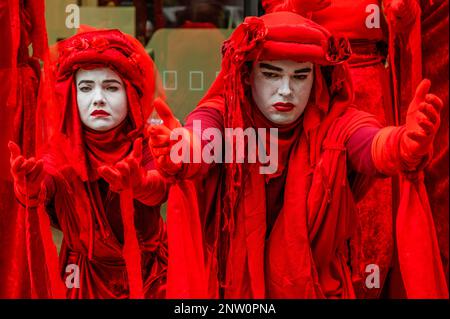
[(22, 28), (284, 234), (419, 46), (92, 176), (434, 35)]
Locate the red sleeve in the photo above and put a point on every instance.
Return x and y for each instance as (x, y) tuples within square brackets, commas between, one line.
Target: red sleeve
[(155, 190), (209, 118), (359, 150)]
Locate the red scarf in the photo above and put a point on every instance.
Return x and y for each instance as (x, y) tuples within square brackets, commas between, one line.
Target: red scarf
[(287, 135), (107, 148)]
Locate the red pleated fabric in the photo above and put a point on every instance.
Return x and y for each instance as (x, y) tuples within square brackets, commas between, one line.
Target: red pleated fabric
[(29, 271), (420, 261), (131, 251), (187, 276), (418, 254)]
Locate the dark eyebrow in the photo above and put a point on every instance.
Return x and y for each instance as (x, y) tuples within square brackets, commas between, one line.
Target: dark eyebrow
[(304, 70), (270, 67), (112, 81), (92, 82), (274, 68), (85, 81)]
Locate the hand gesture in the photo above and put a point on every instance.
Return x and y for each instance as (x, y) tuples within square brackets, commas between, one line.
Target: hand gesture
[(159, 139), (28, 174), (422, 121), (126, 173)]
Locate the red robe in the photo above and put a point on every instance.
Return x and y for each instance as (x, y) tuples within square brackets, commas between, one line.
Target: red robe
[(222, 237), (268, 220), (96, 228), (22, 25), (435, 67), (373, 240)]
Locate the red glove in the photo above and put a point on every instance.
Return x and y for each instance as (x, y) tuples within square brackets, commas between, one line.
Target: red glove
[(28, 174), (160, 142), (126, 173), (148, 186), (401, 14), (422, 123)]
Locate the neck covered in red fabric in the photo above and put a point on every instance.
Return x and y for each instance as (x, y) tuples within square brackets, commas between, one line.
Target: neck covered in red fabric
[(287, 135), (107, 148)]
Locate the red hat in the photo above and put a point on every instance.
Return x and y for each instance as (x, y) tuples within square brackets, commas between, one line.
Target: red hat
[(287, 36), (290, 36), (110, 48)]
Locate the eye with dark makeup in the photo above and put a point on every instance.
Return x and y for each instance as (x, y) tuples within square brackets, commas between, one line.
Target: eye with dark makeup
[(270, 75), (112, 88), (85, 89), (301, 76)]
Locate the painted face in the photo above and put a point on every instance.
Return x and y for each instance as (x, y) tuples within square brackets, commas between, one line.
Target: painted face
[(101, 98), (281, 89)]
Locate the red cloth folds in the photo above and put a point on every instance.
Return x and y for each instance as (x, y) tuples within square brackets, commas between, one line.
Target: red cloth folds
[(420, 263), (187, 273), (131, 251)]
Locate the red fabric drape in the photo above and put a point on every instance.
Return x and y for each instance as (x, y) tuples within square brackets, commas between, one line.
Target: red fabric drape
[(23, 24)]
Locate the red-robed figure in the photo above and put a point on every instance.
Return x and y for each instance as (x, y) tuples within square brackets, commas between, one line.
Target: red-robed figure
[(114, 245), (284, 234)]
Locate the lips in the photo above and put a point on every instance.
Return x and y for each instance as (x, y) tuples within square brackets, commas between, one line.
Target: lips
[(284, 107), (100, 113)]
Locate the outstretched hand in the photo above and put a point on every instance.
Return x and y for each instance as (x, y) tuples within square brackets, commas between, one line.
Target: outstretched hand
[(126, 173), (422, 120), (159, 139), (28, 174)]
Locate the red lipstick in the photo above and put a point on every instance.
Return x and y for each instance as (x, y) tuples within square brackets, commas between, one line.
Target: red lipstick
[(100, 113), (284, 107)]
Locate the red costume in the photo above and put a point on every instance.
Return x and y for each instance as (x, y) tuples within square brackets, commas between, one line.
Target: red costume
[(435, 67), (293, 245), (373, 242), (419, 47), (117, 242), (23, 26)]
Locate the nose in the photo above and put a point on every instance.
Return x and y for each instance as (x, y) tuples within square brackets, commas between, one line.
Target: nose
[(285, 87), (99, 99)]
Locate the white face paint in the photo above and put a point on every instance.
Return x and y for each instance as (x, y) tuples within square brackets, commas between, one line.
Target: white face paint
[(101, 98), (281, 89)]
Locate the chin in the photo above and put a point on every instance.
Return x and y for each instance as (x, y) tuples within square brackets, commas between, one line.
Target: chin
[(102, 128), (281, 120)]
